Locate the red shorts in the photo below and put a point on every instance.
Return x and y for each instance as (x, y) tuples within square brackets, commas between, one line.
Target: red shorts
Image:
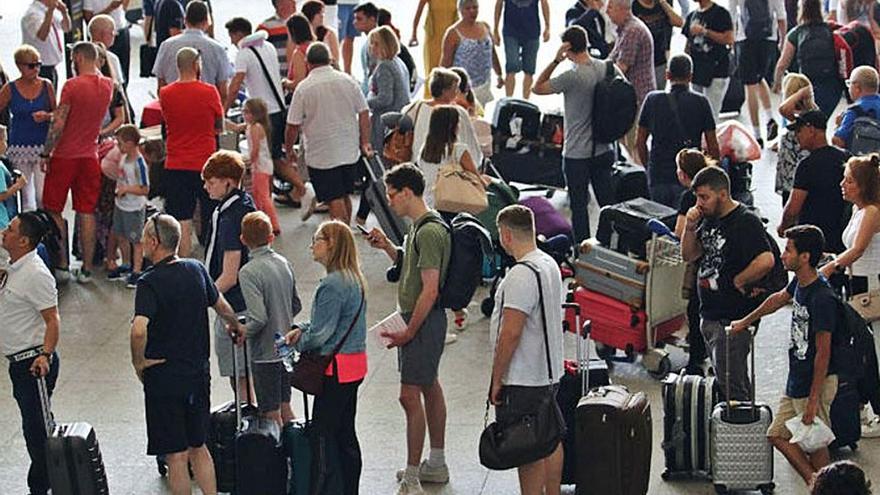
[(81, 175)]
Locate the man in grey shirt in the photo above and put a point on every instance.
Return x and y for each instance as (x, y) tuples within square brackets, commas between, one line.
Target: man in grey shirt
[(583, 159), (216, 69), (269, 290)]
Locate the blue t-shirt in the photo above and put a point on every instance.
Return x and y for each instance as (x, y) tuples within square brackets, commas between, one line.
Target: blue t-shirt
[(870, 104), (175, 295), (4, 177), (815, 310), (521, 19), (227, 239)]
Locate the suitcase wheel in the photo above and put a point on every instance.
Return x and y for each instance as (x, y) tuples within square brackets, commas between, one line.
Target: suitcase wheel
[(605, 352), (487, 306), (720, 489), (663, 368), (767, 489)]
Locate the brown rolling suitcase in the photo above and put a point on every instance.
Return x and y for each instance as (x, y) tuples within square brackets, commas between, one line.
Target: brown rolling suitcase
[(614, 436)]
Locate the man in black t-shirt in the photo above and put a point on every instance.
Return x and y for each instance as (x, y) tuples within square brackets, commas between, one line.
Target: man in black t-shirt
[(659, 16), (816, 198), (170, 348), (812, 380), (709, 33), (734, 254)]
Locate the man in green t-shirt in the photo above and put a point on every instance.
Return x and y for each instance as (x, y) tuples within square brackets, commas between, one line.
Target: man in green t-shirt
[(426, 255)]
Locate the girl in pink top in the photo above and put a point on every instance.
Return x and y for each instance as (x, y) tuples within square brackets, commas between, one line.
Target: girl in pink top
[(256, 118)]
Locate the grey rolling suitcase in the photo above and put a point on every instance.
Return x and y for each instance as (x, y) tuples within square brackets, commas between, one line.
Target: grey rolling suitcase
[(393, 226), (610, 273), (741, 455), (73, 456), (688, 401)]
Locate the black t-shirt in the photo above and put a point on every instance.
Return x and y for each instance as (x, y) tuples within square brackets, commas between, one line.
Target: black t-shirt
[(819, 175), (658, 23), (668, 137), (232, 209), (688, 201), (730, 243), (169, 14), (711, 60), (815, 310), (175, 296)]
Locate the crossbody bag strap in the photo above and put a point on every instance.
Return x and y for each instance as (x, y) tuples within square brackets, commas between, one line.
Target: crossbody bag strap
[(543, 317), (354, 320), (673, 105), (269, 79)]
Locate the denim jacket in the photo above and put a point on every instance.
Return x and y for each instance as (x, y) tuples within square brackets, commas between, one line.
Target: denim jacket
[(336, 301)]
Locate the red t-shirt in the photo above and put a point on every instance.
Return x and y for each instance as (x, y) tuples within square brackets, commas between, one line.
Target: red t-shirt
[(89, 97), (190, 110)]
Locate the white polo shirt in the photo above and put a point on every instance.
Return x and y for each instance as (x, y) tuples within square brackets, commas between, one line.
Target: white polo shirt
[(254, 78), (326, 104), (51, 50), (29, 288)]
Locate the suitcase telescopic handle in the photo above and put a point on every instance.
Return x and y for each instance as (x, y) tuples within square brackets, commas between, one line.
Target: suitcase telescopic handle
[(45, 406), (247, 375), (582, 331), (752, 331)]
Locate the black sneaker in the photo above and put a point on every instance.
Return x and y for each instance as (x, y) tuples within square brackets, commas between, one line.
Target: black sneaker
[(772, 130)]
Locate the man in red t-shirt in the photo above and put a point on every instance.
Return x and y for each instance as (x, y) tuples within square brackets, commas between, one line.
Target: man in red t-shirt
[(70, 155), (193, 117)]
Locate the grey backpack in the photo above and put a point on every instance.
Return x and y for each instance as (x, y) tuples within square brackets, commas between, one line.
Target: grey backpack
[(865, 132)]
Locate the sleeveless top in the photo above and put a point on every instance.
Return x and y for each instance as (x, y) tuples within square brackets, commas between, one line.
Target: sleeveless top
[(474, 56), (869, 263), (23, 130), (263, 165)]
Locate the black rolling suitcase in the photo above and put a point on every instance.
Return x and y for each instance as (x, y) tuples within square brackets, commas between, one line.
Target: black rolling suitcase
[(508, 109), (623, 227), (845, 415), (573, 385), (688, 402), (629, 182), (73, 456), (393, 226)]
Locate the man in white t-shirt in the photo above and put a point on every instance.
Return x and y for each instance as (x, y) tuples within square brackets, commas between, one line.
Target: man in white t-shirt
[(43, 26), (527, 332), (121, 45)]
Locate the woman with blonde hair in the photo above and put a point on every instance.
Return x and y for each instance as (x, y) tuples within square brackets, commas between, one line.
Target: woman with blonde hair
[(797, 97), (337, 323)]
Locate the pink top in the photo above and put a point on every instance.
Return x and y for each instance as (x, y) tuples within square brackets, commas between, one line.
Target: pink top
[(300, 48), (351, 367)]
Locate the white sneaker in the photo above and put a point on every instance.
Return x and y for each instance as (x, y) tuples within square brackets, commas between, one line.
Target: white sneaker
[(864, 416), (410, 488), (460, 323), (308, 202), (429, 474), (451, 338), (62, 276), (872, 429)]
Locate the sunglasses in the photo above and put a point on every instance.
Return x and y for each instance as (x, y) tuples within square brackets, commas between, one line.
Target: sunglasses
[(32, 65), (154, 220)]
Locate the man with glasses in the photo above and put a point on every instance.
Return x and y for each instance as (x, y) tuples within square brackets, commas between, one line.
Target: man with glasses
[(863, 84), (170, 350), (29, 327), (43, 26)]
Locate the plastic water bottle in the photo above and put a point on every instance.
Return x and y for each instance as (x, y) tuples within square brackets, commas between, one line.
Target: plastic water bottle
[(285, 351)]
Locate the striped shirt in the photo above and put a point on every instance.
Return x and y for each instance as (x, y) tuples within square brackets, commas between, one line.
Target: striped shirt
[(277, 29)]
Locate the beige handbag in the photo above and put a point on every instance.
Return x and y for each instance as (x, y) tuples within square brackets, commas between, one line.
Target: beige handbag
[(867, 305), (457, 190)]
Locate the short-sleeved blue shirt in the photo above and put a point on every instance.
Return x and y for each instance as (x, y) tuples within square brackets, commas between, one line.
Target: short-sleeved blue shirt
[(815, 310), (228, 239), (870, 104), (175, 295)]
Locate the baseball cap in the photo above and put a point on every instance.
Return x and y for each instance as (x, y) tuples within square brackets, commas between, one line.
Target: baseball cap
[(812, 118)]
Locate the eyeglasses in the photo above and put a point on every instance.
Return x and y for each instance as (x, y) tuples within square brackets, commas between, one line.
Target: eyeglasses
[(318, 238), (154, 219), (32, 65)]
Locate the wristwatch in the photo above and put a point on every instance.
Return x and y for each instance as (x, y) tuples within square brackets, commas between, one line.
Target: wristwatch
[(47, 355)]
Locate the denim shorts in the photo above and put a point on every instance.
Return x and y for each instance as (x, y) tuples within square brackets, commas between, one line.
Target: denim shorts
[(520, 55)]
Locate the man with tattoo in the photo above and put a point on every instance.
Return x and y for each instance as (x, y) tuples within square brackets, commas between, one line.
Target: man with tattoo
[(70, 155)]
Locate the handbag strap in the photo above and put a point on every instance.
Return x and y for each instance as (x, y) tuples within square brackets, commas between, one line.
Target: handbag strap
[(269, 79), (354, 320)]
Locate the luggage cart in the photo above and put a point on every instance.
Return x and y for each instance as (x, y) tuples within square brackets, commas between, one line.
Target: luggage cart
[(663, 299)]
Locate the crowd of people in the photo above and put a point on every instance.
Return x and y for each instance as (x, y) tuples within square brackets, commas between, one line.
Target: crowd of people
[(306, 120)]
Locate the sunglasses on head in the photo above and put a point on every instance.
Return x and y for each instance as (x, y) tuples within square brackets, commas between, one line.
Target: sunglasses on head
[(154, 219)]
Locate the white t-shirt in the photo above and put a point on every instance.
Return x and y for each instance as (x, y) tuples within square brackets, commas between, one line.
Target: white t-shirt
[(254, 78), (51, 49), (29, 289), (519, 290), (430, 170), (420, 112), (132, 173), (118, 14)]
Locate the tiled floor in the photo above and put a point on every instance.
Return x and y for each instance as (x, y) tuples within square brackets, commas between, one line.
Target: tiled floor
[(97, 384)]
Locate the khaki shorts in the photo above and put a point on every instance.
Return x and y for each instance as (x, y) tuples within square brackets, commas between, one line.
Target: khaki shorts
[(789, 408)]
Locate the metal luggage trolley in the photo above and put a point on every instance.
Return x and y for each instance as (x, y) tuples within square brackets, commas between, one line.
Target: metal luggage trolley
[(663, 300)]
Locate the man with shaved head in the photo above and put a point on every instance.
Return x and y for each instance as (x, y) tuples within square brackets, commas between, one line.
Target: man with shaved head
[(863, 84), (193, 117), (102, 29)]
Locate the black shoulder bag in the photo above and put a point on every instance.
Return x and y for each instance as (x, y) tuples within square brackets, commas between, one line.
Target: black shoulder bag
[(269, 80), (531, 437)]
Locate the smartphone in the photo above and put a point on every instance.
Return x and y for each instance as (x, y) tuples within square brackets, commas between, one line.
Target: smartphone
[(362, 229)]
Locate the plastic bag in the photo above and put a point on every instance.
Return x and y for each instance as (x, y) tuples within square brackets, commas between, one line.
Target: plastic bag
[(735, 141), (809, 438)]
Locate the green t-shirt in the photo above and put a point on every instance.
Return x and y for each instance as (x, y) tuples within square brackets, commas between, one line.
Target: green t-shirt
[(434, 251)]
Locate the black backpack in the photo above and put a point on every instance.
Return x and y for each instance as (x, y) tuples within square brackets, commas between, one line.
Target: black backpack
[(470, 244), (865, 136), (777, 278), (815, 53), (757, 20), (851, 343), (614, 106)]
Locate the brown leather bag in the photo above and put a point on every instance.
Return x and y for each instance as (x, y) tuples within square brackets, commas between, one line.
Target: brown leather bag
[(398, 145)]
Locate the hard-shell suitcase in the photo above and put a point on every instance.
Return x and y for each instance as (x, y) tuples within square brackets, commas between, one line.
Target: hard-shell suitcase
[(688, 401), (393, 226), (508, 109), (741, 456), (260, 464), (580, 375), (530, 163), (618, 325), (73, 456), (298, 449), (613, 274), (623, 227), (845, 415), (629, 182), (614, 440)]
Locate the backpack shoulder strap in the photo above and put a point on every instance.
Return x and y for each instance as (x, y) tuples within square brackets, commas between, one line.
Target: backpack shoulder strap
[(430, 219)]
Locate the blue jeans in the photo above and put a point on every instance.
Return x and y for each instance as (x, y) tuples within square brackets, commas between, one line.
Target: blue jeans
[(24, 389), (827, 95), (579, 172), (668, 194)]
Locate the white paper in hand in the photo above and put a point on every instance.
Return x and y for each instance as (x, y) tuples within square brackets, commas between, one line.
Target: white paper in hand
[(809, 438), (391, 324)]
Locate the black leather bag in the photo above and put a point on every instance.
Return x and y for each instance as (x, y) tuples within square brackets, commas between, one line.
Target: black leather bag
[(530, 437), (148, 59)]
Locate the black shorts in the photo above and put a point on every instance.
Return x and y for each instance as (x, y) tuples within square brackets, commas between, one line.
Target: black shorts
[(271, 384), (333, 183), (518, 401), (177, 420), (278, 122), (182, 189), (754, 57)]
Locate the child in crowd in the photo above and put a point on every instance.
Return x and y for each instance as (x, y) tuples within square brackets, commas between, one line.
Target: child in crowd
[(258, 131), (269, 290), (130, 208)]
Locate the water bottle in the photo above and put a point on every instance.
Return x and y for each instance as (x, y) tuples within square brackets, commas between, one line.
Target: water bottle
[(285, 351)]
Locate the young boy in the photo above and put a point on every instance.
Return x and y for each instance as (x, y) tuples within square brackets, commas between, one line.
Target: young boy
[(129, 213), (269, 290)]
